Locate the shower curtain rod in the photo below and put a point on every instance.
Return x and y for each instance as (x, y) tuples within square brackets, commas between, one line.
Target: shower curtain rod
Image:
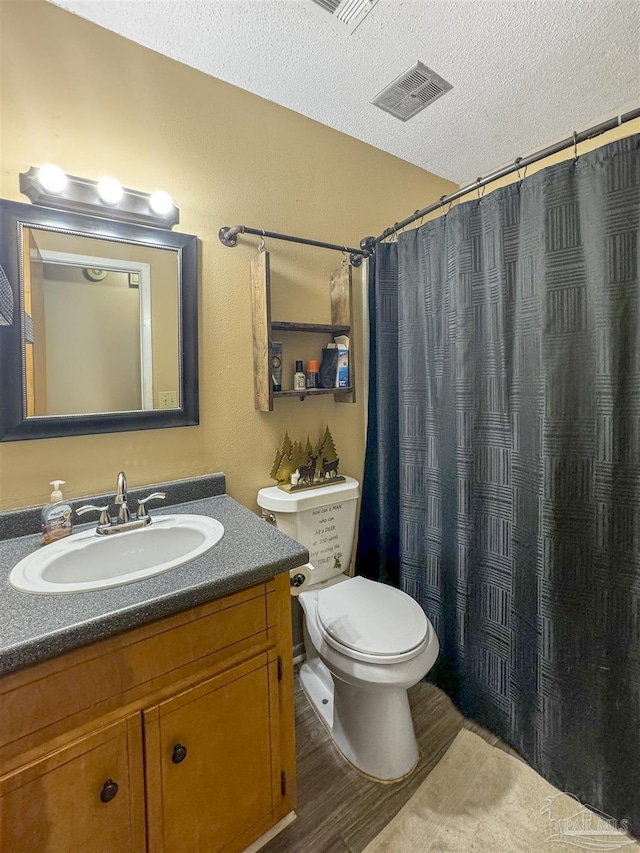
[(229, 237), (520, 163)]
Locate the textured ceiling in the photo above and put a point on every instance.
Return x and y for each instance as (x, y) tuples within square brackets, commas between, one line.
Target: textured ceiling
[(524, 73)]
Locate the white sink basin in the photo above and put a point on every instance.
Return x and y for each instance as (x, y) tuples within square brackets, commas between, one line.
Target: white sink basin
[(85, 561)]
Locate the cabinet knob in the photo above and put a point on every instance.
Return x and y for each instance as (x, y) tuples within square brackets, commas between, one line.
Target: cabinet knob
[(109, 790), (179, 753)]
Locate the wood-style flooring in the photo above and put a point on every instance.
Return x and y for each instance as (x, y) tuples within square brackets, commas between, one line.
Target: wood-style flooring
[(341, 811)]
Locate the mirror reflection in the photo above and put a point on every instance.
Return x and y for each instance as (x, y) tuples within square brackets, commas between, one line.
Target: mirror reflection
[(101, 324)]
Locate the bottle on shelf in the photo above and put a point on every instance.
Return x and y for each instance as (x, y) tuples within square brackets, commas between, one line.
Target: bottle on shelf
[(329, 366), (343, 360), (276, 366), (312, 374), (299, 379)]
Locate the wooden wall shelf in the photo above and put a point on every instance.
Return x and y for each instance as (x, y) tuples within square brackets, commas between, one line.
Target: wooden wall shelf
[(325, 328), (313, 392), (263, 326)]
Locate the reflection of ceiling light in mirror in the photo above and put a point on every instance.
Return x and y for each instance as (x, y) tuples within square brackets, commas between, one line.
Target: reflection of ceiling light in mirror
[(110, 190), (51, 178), (161, 203), (93, 274)]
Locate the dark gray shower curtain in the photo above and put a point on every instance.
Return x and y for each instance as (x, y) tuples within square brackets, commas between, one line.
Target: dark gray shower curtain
[(502, 481)]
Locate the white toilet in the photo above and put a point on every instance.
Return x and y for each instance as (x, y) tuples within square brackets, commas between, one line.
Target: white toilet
[(366, 643)]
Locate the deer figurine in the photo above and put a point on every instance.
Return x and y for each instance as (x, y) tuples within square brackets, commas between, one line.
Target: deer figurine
[(308, 472), (329, 469)]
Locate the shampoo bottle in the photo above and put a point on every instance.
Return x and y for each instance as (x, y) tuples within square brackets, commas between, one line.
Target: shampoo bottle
[(57, 516)]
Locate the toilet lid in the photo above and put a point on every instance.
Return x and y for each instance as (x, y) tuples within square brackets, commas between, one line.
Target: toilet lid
[(371, 617)]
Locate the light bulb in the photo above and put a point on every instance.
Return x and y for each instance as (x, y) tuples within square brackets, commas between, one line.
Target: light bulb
[(110, 190), (161, 203), (51, 178)]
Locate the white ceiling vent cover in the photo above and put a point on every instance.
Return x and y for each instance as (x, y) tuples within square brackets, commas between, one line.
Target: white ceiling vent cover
[(345, 15), (411, 92)]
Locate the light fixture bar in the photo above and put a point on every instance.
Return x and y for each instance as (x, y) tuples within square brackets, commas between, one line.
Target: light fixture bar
[(81, 195)]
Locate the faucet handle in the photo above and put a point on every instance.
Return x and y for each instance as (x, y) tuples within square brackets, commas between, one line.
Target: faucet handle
[(142, 503), (105, 518)]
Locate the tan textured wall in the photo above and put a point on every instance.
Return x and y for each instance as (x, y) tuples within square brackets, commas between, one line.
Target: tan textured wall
[(95, 103)]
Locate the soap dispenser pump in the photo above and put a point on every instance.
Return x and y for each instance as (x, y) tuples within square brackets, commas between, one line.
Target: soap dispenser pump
[(57, 516)]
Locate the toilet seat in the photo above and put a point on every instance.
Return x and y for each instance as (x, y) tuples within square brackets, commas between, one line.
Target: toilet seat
[(371, 621)]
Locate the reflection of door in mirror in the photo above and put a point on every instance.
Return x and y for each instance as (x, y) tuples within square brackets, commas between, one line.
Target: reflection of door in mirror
[(94, 310)]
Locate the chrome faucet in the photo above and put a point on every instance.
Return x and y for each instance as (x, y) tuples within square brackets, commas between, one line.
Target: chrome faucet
[(124, 516), (123, 522)]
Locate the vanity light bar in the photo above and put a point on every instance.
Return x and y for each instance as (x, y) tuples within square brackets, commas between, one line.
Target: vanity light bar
[(105, 198)]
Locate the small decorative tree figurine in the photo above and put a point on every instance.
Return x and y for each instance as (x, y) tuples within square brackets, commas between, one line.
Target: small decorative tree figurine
[(328, 457), (276, 465), (298, 457), (281, 469), (312, 465), (309, 450)]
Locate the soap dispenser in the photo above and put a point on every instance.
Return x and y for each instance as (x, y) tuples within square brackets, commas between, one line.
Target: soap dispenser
[(57, 516)]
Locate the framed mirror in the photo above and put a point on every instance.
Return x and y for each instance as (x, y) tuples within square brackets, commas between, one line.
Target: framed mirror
[(98, 325)]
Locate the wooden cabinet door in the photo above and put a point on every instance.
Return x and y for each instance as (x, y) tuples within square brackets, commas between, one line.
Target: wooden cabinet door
[(213, 771), (67, 802)]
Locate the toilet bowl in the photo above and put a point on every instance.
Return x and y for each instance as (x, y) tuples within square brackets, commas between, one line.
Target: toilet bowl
[(361, 660), (366, 643)]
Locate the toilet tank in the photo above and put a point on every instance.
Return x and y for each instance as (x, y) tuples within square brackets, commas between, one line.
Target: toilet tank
[(322, 519)]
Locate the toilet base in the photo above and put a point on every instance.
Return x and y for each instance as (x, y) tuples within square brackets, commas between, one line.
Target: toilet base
[(372, 728)]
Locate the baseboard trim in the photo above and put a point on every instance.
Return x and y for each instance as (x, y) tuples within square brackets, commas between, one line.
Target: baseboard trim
[(298, 653), (259, 843)]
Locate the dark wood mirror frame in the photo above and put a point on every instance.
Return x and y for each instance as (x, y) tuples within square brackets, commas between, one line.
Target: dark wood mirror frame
[(14, 426)]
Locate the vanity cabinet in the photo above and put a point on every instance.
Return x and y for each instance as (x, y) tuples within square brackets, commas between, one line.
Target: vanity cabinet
[(176, 736), (70, 801), (209, 755)]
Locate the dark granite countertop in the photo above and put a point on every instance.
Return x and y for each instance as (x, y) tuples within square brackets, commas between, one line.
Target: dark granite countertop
[(34, 628)]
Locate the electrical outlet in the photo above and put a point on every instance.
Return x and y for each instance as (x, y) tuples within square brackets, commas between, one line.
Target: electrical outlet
[(168, 399)]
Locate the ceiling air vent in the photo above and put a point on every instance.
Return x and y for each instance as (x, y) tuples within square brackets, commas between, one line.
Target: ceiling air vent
[(411, 92), (345, 15)]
